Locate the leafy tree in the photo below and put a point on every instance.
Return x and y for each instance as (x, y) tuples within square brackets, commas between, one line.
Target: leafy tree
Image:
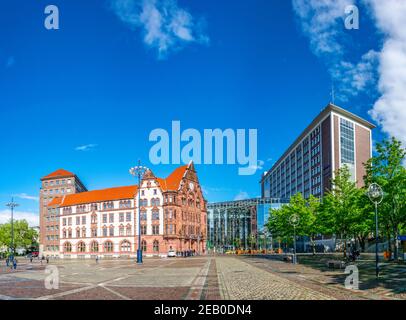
[(280, 225), (340, 210), (24, 236), (387, 169)]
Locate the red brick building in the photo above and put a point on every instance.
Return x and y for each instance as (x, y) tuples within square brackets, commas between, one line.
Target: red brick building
[(105, 222)]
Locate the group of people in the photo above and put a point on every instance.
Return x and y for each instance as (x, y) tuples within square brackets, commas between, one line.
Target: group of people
[(11, 262), (187, 253)]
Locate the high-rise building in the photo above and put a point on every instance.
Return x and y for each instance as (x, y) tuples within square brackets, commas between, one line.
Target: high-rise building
[(105, 222), (56, 184), (335, 138)]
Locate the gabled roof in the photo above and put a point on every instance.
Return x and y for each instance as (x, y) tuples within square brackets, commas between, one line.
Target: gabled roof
[(60, 173), (118, 193), (172, 182)]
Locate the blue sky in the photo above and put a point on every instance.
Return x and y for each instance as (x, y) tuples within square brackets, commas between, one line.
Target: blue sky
[(111, 74)]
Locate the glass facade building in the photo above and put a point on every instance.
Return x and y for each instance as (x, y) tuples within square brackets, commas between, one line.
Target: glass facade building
[(239, 224)]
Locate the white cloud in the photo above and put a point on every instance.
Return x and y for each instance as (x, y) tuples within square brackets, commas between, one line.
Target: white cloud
[(390, 109), (26, 196), (242, 195), (31, 217), (166, 27), (322, 21), (86, 147)]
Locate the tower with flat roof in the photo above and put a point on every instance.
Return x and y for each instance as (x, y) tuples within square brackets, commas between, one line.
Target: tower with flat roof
[(336, 137), (54, 185)]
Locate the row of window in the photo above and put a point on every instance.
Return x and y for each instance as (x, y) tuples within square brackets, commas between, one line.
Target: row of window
[(57, 191), (58, 182), (106, 231), (107, 246)]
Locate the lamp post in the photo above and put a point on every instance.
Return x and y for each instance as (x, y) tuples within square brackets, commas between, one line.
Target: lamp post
[(375, 194), (12, 205), (294, 220), (139, 171)]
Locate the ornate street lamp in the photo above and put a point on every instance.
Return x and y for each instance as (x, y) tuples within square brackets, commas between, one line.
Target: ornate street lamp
[(294, 221), (139, 171), (12, 205), (375, 194)]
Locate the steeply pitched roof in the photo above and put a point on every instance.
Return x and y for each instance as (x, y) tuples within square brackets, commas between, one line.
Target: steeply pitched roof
[(118, 193), (60, 173), (171, 183)]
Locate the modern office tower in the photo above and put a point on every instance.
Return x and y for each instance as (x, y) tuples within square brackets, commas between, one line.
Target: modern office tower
[(334, 138)]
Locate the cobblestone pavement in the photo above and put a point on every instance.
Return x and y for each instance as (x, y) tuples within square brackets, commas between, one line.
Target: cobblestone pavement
[(155, 279), (240, 280), (205, 278)]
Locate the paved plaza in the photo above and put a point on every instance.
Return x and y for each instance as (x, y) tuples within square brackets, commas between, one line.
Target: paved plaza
[(195, 278)]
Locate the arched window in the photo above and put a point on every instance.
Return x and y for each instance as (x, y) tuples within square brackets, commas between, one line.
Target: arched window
[(67, 247), (84, 232), (128, 230), (156, 246), (77, 232), (125, 246), (108, 246), (143, 245), (121, 231), (94, 246), (81, 247)]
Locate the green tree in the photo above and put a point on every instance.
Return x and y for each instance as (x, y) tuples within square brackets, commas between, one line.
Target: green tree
[(387, 169), (340, 209), (279, 223), (24, 236)]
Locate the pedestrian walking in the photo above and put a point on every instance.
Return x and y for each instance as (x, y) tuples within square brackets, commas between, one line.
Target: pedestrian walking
[(15, 264), (7, 262), (97, 259), (47, 259)]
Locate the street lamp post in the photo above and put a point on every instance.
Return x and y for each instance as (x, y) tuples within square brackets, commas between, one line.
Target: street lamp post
[(12, 205), (375, 194), (294, 220), (139, 171)]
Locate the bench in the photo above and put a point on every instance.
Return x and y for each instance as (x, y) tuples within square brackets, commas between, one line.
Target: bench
[(336, 264)]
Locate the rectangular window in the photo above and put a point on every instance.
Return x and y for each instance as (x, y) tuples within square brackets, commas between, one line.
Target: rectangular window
[(104, 232), (77, 220), (128, 216), (111, 217), (94, 232), (111, 232), (155, 229), (105, 218), (143, 229), (121, 217), (84, 220)]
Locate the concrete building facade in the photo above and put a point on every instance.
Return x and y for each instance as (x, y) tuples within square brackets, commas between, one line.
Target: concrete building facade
[(334, 138)]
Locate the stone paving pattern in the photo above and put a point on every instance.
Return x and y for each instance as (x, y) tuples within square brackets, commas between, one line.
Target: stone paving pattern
[(206, 278)]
